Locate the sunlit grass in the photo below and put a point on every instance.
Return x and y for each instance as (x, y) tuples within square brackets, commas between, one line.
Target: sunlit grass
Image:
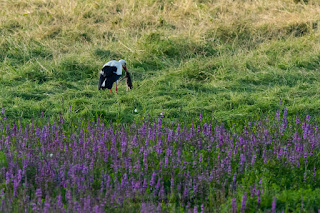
[(230, 58)]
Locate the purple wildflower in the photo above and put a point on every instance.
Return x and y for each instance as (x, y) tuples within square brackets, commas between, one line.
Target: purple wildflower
[(244, 200), (274, 205), (234, 205)]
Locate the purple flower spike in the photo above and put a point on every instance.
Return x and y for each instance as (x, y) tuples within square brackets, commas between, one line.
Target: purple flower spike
[(243, 204), (234, 205), (195, 209), (274, 202)]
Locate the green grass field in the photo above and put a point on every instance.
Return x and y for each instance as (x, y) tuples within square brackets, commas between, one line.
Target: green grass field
[(231, 59), (233, 80)]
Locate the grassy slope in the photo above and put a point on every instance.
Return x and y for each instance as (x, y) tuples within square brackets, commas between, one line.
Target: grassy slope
[(233, 58)]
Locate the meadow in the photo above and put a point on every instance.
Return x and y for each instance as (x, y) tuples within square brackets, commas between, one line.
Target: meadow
[(223, 115)]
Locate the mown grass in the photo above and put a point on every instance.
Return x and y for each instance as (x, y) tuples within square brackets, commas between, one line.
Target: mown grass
[(230, 59)]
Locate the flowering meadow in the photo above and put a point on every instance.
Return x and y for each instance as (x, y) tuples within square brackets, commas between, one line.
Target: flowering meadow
[(267, 165)]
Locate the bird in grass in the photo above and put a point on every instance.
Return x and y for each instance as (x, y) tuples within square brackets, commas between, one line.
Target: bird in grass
[(110, 73)]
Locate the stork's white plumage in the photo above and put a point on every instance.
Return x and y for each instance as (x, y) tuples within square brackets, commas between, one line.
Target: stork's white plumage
[(118, 64)]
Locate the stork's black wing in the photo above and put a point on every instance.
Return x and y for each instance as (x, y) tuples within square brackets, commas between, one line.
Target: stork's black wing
[(107, 74)]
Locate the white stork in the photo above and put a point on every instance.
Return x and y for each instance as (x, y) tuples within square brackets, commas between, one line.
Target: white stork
[(110, 73)]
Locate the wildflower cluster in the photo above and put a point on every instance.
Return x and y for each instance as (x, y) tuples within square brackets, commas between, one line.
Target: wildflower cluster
[(59, 167)]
